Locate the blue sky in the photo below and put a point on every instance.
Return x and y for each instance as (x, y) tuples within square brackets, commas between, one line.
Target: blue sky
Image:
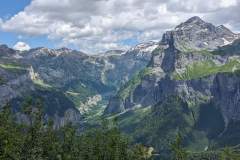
[(95, 26), (9, 8)]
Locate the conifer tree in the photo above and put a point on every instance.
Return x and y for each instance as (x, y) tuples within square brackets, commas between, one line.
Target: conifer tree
[(178, 152), (229, 154), (10, 139)]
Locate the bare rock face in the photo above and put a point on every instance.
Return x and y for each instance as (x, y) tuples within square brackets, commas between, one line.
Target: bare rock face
[(15, 88), (191, 86), (227, 95), (198, 34), (70, 116), (196, 61)]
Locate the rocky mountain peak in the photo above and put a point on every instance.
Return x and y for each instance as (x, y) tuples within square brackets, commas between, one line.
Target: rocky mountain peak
[(64, 49), (147, 47), (195, 19), (43, 52), (196, 34), (3, 46), (192, 22), (5, 50), (222, 28)]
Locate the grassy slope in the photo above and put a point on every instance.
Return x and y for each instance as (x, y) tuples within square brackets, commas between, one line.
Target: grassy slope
[(79, 93), (41, 84), (133, 83), (157, 126), (12, 67), (205, 68)]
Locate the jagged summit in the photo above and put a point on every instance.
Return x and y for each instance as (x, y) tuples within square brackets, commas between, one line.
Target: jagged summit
[(3, 46), (194, 19), (5, 50), (224, 28), (147, 47), (226, 31), (196, 34), (43, 51), (192, 22)]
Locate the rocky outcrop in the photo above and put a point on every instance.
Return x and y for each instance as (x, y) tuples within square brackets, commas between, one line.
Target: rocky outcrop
[(192, 71), (226, 94), (191, 87), (196, 34)]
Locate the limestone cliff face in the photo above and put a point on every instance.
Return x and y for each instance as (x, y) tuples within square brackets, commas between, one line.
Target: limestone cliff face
[(14, 88), (201, 70), (226, 93), (190, 87), (19, 80)]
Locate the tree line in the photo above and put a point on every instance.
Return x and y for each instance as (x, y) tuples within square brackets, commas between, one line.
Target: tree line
[(38, 140)]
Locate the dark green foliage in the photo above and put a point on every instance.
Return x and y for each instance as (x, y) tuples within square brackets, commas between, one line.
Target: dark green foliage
[(9, 136), (161, 126), (206, 155), (53, 102), (231, 135), (37, 140), (229, 154), (178, 152), (201, 127), (210, 120), (226, 153)]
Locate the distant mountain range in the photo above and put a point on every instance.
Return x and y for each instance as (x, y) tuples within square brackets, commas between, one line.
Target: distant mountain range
[(188, 82), (70, 82)]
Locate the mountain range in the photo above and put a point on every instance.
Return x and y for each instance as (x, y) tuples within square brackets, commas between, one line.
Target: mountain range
[(187, 82), (191, 86), (71, 83)]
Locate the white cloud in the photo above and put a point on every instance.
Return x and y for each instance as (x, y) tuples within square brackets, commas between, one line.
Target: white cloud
[(96, 25), (21, 46), (228, 3)]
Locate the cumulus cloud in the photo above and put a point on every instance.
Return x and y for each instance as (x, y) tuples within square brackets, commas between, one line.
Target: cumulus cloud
[(97, 25), (21, 46)]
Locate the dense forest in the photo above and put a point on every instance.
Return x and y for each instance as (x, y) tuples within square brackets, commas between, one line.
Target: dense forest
[(38, 140)]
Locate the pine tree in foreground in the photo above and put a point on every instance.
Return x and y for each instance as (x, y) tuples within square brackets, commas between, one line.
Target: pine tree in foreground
[(37, 140)]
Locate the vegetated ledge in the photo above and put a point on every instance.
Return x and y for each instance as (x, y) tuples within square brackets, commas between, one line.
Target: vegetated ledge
[(13, 67), (126, 89), (201, 69)]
